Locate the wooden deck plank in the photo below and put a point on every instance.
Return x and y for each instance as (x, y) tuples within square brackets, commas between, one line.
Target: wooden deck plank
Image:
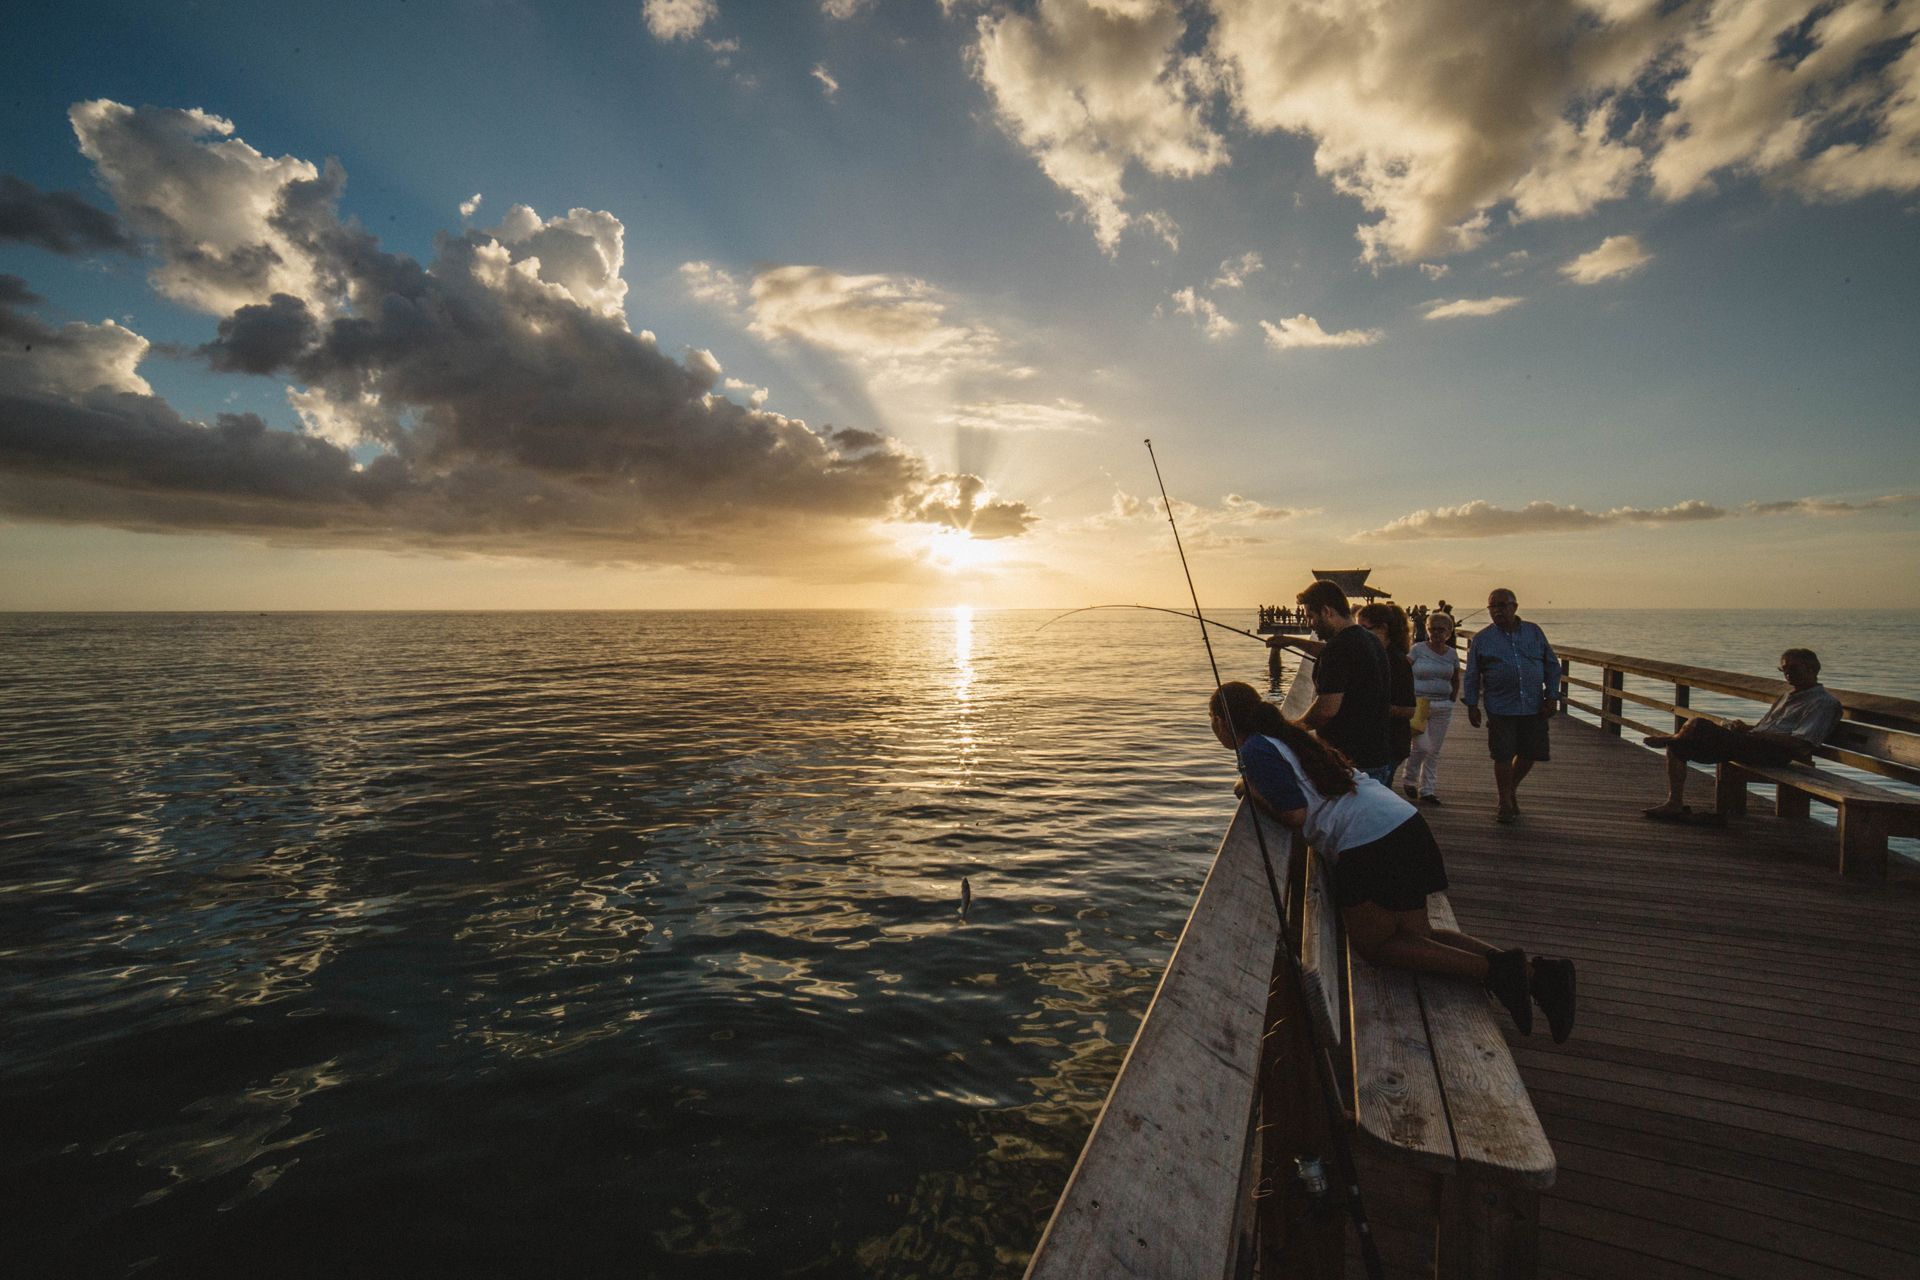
[(1741, 1096)]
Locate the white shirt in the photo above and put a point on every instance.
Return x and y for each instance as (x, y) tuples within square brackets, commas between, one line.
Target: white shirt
[(1433, 672), (1362, 816)]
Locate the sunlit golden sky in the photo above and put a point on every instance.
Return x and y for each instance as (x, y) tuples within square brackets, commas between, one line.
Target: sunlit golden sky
[(691, 303)]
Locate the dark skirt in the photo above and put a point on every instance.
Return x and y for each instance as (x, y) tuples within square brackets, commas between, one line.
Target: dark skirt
[(1397, 871)]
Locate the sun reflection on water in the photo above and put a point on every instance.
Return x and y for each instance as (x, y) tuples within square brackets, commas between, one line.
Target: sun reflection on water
[(962, 651)]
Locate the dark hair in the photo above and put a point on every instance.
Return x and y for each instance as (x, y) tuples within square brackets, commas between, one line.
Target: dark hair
[(1807, 656), (1394, 619), (1326, 595), (1330, 772)]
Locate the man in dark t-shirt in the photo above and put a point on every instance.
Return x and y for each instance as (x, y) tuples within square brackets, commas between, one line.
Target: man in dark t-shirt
[(1350, 682)]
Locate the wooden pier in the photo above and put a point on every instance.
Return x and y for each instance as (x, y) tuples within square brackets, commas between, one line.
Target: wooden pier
[(1742, 1094)]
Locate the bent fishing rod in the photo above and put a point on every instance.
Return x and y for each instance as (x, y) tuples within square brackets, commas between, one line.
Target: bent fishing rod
[(1178, 613), (1323, 1061)]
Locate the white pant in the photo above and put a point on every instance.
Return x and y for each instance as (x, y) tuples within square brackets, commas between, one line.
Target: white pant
[(1423, 765)]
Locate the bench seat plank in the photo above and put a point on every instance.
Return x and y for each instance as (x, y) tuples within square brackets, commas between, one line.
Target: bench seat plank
[(1496, 1131), (1159, 1183), (1825, 783), (1397, 1098)]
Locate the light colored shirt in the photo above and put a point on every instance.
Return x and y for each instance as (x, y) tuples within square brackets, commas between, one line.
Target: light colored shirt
[(1362, 816), (1433, 672), (1808, 714), (1518, 670)]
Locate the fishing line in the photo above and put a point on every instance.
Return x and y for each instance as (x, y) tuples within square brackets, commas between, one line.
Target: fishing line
[(1178, 613), (1329, 1087)]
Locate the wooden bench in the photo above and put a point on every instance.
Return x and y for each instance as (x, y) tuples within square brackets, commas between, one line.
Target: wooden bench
[(1879, 735), (1868, 814), (1432, 1086), (1190, 1169)]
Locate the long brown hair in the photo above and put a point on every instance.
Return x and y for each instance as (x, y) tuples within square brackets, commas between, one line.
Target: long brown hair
[(1330, 772), (1394, 619)]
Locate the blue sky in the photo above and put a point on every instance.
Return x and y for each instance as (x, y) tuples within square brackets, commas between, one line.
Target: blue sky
[(871, 303)]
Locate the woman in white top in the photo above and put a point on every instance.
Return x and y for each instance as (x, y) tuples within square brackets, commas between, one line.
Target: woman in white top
[(1384, 859), (1436, 677)]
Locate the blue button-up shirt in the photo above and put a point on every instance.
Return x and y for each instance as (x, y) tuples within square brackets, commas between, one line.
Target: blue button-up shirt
[(1519, 670)]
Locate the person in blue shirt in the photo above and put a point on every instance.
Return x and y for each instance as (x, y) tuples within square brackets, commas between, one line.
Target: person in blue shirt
[(1514, 667), (1384, 859)]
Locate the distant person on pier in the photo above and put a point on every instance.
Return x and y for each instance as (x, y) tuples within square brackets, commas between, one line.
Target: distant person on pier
[(1351, 681), (1798, 722), (1418, 616), (1383, 857), (1436, 683), (1388, 622), (1513, 666)]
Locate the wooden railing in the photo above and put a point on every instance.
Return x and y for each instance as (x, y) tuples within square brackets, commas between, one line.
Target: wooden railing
[(1164, 1186), (1879, 735)]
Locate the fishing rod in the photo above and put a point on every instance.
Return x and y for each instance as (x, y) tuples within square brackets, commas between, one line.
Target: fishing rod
[(1329, 1087), (1178, 613)]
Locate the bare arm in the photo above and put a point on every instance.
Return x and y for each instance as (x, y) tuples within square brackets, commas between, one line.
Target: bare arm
[(1312, 648), (1324, 708)]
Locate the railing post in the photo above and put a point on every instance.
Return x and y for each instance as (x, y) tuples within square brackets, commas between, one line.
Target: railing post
[(1566, 684), (1682, 697), (1610, 704)]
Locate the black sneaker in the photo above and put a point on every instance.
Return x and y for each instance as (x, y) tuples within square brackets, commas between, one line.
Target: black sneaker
[(1507, 979), (1553, 988), (1411, 793)]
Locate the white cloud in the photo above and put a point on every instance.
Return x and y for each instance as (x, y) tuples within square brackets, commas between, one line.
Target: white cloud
[(895, 326), (1205, 315), (1304, 331), (581, 253), (1161, 223), (1432, 113), (1234, 271), (1482, 519), (1748, 99), (1614, 257), (705, 282), (74, 361), (1438, 310), (205, 197), (828, 84), (756, 395), (1237, 522), (344, 419), (1023, 415), (1091, 87), (677, 19), (470, 206), (1439, 115), (843, 9)]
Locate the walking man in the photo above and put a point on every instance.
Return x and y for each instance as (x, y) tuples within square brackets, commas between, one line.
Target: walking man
[(1512, 663)]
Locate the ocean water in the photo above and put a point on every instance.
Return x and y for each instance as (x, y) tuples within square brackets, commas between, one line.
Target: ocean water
[(596, 944)]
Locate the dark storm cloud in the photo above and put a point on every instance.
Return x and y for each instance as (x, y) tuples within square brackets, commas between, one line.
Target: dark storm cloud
[(57, 220), (498, 391), (15, 293), (260, 339)]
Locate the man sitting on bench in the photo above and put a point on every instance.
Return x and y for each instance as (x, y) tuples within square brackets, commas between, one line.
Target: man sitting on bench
[(1796, 724)]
